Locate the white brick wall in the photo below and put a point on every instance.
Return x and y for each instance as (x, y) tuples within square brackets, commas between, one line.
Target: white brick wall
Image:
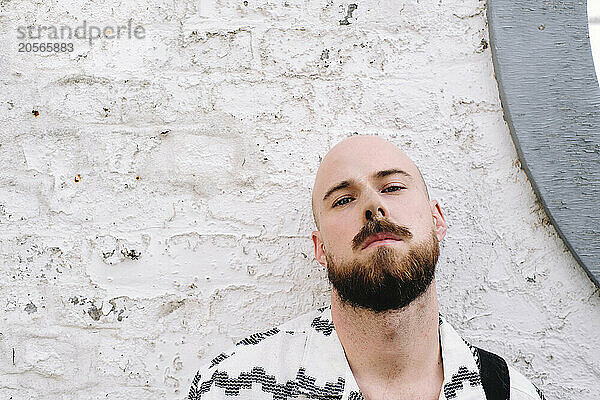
[(195, 150)]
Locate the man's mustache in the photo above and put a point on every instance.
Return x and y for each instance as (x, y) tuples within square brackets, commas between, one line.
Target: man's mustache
[(379, 225)]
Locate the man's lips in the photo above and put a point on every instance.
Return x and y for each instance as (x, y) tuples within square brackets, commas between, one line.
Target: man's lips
[(379, 237)]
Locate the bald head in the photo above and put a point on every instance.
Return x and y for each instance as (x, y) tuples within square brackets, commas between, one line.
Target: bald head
[(352, 159)]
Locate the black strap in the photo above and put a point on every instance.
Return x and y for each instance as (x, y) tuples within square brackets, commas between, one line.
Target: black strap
[(494, 376)]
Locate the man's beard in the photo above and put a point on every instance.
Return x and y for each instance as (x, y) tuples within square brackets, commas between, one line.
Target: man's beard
[(388, 279)]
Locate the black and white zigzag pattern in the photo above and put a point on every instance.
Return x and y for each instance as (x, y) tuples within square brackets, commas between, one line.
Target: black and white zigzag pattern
[(215, 361), (475, 353), (457, 382), (302, 384), (355, 396), (323, 325), (257, 337)]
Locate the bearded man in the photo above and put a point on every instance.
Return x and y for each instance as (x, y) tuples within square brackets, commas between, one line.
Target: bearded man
[(382, 337)]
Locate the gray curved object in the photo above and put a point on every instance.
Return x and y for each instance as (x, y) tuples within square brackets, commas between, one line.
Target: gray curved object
[(551, 101)]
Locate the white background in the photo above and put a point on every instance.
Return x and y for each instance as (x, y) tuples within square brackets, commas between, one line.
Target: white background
[(188, 226)]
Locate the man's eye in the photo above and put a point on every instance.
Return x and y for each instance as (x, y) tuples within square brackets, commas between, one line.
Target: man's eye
[(393, 188), (342, 201)]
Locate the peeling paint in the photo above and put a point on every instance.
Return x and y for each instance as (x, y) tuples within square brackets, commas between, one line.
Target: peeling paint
[(132, 254), (94, 313), (346, 20), (171, 306), (180, 239), (30, 308)]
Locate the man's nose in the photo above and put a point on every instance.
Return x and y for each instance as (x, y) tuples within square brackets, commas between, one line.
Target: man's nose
[(374, 209), (369, 214)]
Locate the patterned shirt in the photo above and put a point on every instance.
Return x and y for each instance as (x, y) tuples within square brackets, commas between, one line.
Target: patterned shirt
[(304, 359)]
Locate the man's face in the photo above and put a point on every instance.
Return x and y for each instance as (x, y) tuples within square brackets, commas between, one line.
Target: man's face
[(387, 280), (378, 232)]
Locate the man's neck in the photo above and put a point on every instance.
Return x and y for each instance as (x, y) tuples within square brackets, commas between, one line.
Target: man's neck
[(394, 353)]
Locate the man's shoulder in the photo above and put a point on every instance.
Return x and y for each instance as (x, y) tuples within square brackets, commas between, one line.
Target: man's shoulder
[(263, 358), (264, 345), (494, 370), (521, 388)]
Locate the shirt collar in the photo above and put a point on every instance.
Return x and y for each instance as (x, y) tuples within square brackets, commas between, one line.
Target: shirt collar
[(462, 380), (324, 357)]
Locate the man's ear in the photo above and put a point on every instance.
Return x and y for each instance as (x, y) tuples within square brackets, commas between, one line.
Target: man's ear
[(439, 221), (319, 248)]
